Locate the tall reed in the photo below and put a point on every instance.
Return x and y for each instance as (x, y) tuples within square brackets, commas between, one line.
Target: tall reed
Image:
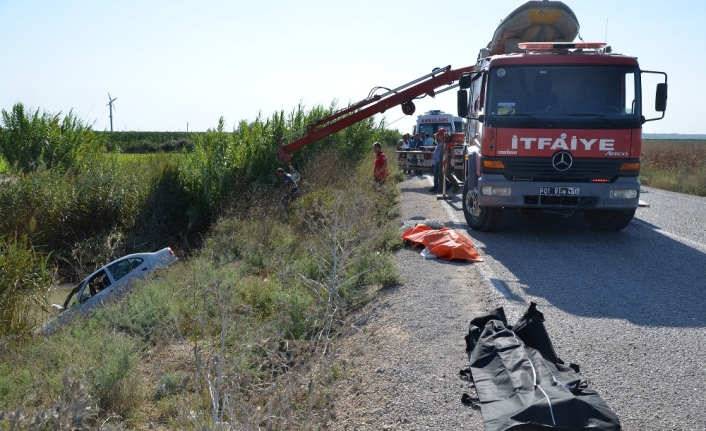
[(224, 164), (30, 139), (25, 277)]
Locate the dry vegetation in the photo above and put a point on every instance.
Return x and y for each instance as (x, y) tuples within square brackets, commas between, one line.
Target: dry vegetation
[(679, 166)]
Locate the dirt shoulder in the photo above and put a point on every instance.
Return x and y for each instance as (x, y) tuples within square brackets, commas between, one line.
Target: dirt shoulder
[(400, 369)]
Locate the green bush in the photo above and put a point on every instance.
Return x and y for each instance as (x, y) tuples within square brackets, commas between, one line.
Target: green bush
[(266, 244), (171, 384), (250, 290), (223, 164), (147, 142), (106, 360), (85, 218), (112, 376), (146, 312), (25, 278), (29, 140)]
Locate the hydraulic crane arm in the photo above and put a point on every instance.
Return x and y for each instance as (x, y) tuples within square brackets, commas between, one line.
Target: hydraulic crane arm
[(402, 95)]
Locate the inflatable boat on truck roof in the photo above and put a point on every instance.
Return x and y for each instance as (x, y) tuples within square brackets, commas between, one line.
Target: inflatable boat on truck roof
[(534, 21), (553, 126)]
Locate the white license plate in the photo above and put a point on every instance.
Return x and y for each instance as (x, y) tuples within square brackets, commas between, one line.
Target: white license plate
[(559, 191)]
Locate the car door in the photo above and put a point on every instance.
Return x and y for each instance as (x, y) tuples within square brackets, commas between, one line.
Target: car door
[(125, 270), (95, 289)]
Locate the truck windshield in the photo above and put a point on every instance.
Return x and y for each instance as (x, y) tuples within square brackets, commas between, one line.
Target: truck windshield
[(431, 128), (589, 97)]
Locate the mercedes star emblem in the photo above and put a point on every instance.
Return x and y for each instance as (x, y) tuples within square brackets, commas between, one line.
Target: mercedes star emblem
[(562, 161)]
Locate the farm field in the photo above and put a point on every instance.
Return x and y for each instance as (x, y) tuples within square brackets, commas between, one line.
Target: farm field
[(149, 142), (675, 165)]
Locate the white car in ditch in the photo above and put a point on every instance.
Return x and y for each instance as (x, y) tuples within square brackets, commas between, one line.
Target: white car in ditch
[(108, 282)]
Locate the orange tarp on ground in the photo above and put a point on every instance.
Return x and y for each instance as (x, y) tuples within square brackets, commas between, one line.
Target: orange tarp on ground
[(443, 243)]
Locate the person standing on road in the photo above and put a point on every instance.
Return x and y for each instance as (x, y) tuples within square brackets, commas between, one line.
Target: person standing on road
[(429, 141), (449, 150), (380, 168), (437, 158)]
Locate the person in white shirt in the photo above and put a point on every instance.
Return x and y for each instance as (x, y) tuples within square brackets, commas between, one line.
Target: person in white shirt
[(404, 143)]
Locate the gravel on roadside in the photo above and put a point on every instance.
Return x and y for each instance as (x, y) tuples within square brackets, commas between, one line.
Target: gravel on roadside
[(401, 368)]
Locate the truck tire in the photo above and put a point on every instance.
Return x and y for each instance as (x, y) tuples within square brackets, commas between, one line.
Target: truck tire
[(480, 218), (611, 220)]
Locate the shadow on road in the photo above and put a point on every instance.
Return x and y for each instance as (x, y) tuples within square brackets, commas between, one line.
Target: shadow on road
[(638, 274)]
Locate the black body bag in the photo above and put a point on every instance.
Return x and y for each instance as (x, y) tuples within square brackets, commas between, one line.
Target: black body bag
[(523, 385)]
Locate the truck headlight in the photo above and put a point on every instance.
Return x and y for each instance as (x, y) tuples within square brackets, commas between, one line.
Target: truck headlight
[(496, 191), (623, 194)]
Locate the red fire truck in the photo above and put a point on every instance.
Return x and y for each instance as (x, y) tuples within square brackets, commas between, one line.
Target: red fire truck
[(555, 127)]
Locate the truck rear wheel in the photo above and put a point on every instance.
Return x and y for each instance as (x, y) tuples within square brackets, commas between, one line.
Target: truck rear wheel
[(611, 221), (480, 218)]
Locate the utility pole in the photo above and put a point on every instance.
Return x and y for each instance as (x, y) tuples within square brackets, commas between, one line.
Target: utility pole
[(110, 103), (187, 127)]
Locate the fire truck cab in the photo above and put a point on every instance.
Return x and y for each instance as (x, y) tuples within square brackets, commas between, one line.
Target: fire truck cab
[(556, 127)]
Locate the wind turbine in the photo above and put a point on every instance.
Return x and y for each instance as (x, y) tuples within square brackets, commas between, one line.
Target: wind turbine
[(111, 110)]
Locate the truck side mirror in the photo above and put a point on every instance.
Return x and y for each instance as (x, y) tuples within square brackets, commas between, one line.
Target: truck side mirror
[(465, 80), (661, 97), (462, 103)]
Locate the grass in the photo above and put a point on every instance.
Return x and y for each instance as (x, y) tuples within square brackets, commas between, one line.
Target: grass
[(240, 329), (25, 278), (678, 166), (83, 207), (239, 333)]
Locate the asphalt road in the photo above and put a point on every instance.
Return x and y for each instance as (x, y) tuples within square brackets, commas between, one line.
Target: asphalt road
[(628, 307)]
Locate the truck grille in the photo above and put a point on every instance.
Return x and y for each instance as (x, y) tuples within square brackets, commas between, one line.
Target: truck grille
[(582, 170)]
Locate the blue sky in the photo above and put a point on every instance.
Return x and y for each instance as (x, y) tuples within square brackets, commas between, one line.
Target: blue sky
[(173, 62)]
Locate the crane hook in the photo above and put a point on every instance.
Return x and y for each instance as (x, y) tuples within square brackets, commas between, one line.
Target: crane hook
[(283, 155)]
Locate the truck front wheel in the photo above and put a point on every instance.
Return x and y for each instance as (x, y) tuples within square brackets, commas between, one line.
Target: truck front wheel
[(611, 221), (480, 218)]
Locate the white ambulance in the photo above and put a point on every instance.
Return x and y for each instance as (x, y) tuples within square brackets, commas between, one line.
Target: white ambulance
[(421, 160), (431, 121)]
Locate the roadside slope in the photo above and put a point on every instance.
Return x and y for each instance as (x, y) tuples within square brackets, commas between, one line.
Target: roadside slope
[(400, 370)]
